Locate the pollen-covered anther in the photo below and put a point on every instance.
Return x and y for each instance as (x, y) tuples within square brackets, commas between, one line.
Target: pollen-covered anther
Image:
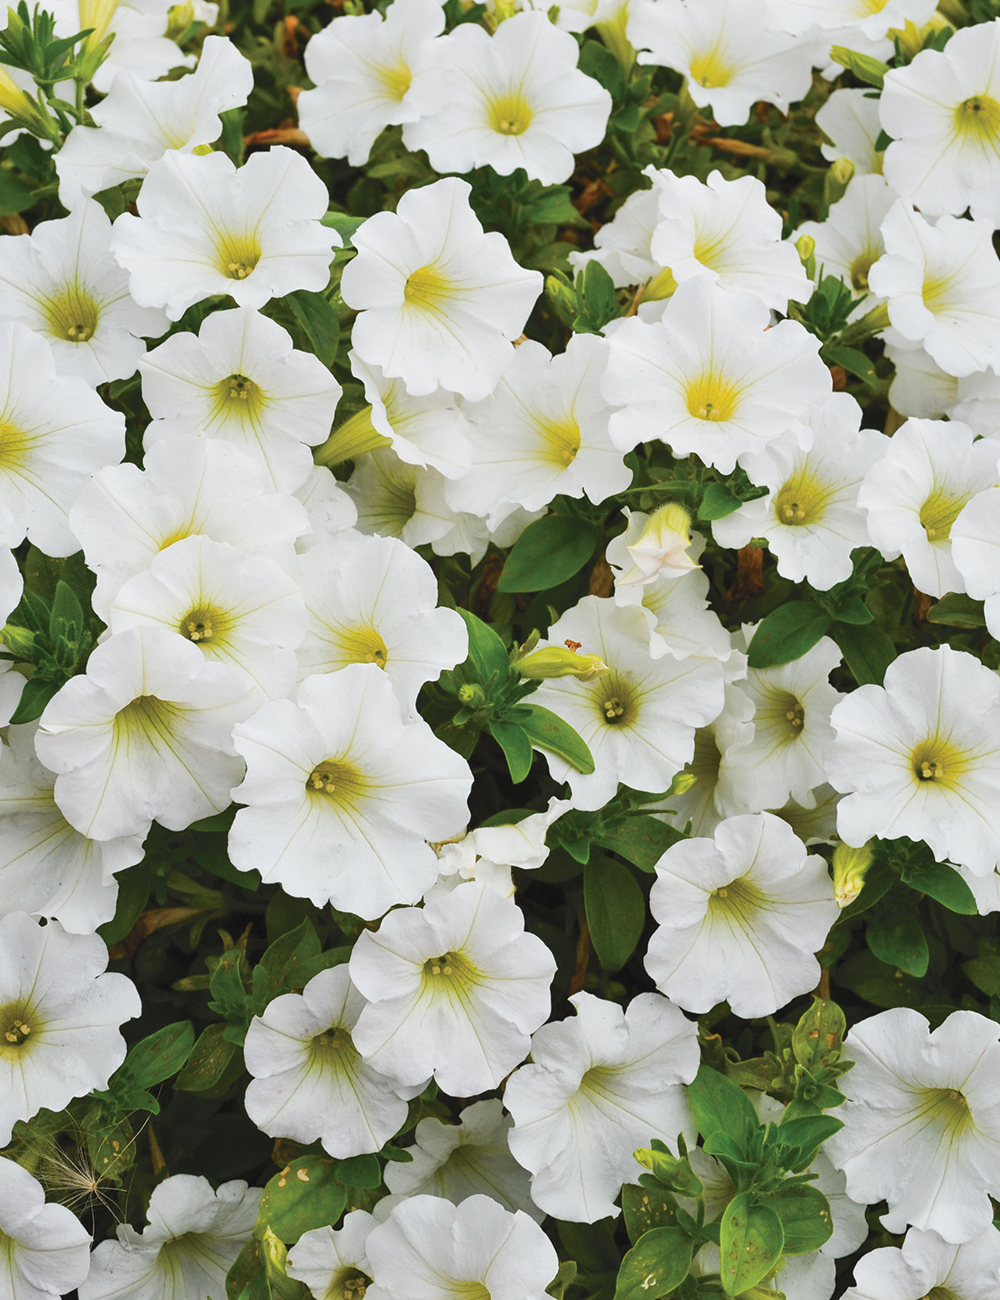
[(796, 716), (17, 1031), (613, 708), (930, 770)]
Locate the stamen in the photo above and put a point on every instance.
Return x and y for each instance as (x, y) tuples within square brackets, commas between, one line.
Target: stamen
[(613, 708), (17, 1031)]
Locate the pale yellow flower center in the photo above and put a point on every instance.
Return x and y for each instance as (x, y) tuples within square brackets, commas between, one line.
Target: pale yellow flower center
[(801, 500), (72, 315), (427, 288), (510, 114), (739, 901), (860, 267), (238, 395), (560, 440), (15, 1025), (712, 397), (979, 117), (238, 255), (711, 69), (396, 79), (204, 623), (938, 513), (337, 780), (938, 762), (360, 645), (615, 701)]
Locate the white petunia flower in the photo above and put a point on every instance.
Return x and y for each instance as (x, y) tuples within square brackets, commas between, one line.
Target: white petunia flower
[(454, 989), (727, 231), (466, 1159), (943, 113), (920, 757), (144, 734), (740, 917), (543, 432), (240, 379), (429, 1249), (140, 46), (126, 516), (927, 1264), (60, 1017), (919, 386), (684, 624), (46, 867), (440, 300), (928, 473), (622, 244), (977, 403), (54, 433), (941, 282), (850, 242), (513, 99), (975, 552), (44, 1249), (792, 734), (343, 794), (711, 378), (872, 18), (374, 600), (850, 119), (429, 431), (922, 1120), (240, 610), (489, 853), (332, 1261), (193, 1237), (329, 509), (654, 546), (810, 516), (729, 64), (140, 120), (309, 1081), (600, 1085), (638, 719), (714, 764), (371, 71), (206, 228), (62, 282), (394, 499)]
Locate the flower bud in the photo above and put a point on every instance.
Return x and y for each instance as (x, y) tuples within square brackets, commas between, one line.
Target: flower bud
[(472, 695), (661, 547), (838, 177), (17, 640), (561, 661), (850, 866), (352, 439), (662, 285)]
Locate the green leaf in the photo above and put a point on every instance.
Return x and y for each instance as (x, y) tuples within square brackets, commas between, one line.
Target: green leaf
[(516, 746), (161, 1055), (546, 730), (133, 891), (867, 651), (751, 1240), (592, 1245), (640, 837), (943, 884), (319, 322), (214, 1064), (645, 1208), (657, 1264), (553, 207), (344, 224), (721, 1106), (717, 502), (806, 1222), (15, 196), (807, 1133), (548, 552), (865, 68), (597, 298), (854, 361), (616, 910), (854, 611), (985, 974), (304, 1195), (895, 937), (35, 694), (957, 610), (818, 1037), (289, 963), (487, 653), (359, 1171), (787, 633)]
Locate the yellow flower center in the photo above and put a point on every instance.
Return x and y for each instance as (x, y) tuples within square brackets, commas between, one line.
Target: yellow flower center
[(427, 288), (615, 701), (203, 623), (740, 900), (73, 315), (452, 973), (979, 117), (937, 762), (784, 713), (934, 291), (15, 1024), (938, 513), (395, 79), (860, 267), (335, 1039), (560, 440), (16, 446), (948, 1109), (801, 500), (239, 255), (147, 719), (712, 397), (337, 780), (710, 69), (238, 395), (359, 645), (510, 115)]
